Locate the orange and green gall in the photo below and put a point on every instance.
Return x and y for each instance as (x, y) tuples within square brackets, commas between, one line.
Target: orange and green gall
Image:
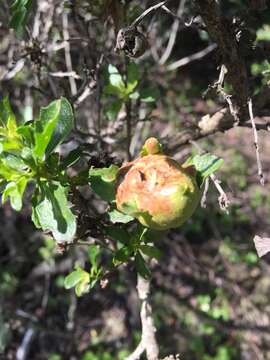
[(157, 190)]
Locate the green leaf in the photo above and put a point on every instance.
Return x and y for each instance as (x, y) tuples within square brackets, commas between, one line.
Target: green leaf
[(82, 288), (135, 95), (63, 127), (141, 266), (149, 95), (117, 233), (151, 251), (116, 216), (116, 79), (103, 182), (19, 10), (11, 139), (93, 253), (7, 117), (15, 190), (112, 90), (27, 132), (7, 173), (205, 165), (78, 278), (52, 164), (54, 124), (263, 34), (14, 162), (113, 109), (73, 278), (122, 255), (132, 77), (52, 212), (106, 174)]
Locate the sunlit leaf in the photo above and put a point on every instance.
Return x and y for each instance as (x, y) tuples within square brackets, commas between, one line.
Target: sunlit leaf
[(52, 212), (103, 182), (15, 191), (54, 124), (79, 279), (116, 79), (116, 216), (205, 165)]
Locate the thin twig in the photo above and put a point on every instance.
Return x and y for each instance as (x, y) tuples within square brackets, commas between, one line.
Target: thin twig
[(173, 34), (256, 144), (23, 350), (188, 59), (72, 82), (128, 107), (61, 74), (220, 90), (205, 192), (88, 86), (265, 126), (223, 200), (137, 21)]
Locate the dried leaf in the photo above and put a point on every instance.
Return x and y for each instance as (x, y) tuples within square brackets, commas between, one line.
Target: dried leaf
[(262, 245)]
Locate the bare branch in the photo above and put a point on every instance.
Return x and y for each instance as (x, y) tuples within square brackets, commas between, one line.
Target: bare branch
[(72, 82), (148, 341), (137, 352)]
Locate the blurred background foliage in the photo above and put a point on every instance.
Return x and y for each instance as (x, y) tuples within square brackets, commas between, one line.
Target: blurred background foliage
[(210, 290)]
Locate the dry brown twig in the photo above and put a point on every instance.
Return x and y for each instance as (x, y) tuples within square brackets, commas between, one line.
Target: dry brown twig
[(227, 97)]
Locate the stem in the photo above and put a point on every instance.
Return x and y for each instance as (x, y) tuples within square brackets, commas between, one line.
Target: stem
[(148, 341), (128, 124), (128, 106)]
